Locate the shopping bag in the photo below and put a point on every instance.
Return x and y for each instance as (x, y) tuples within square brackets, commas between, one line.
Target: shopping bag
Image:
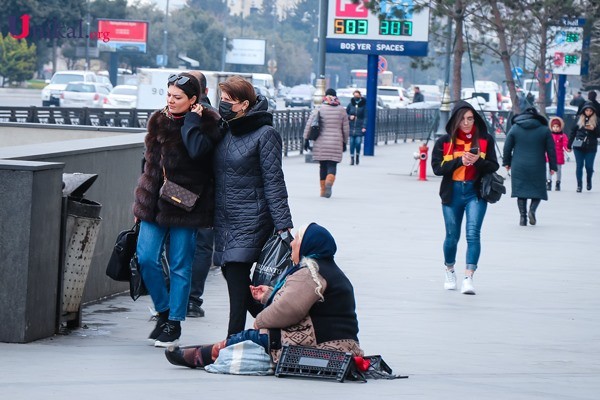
[(274, 259)]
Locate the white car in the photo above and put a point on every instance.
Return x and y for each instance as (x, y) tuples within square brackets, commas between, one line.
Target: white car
[(84, 94), (122, 96), (51, 93), (393, 96)]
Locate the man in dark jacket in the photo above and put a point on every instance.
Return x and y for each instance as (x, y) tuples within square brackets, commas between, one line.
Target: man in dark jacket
[(525, 149), (357, 116), (418, 96)]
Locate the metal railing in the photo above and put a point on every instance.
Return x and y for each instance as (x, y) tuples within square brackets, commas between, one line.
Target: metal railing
[(393, 125)]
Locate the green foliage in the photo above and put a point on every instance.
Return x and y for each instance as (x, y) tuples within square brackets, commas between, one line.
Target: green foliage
[(17, 59)]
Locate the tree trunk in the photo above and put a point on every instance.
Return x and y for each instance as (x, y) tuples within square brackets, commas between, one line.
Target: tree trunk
[(54, 56), (541, 100), (459, 50), (504, 56)]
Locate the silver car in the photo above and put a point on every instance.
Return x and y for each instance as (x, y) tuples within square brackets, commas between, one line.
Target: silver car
[(84, 94)]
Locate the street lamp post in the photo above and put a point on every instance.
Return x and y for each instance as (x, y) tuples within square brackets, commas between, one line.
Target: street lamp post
[(165, 36), (320, 84)]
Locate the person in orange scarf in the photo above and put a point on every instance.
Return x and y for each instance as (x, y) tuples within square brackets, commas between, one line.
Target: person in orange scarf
[(461, 157)]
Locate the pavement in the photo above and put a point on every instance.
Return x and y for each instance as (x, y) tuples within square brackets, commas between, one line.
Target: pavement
[(531, 332)]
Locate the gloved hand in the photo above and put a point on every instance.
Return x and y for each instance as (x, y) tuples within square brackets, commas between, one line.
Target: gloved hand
[(344, 148), (307, 145)]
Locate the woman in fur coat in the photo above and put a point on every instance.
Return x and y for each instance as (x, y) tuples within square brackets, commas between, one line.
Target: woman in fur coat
[(167, 158)]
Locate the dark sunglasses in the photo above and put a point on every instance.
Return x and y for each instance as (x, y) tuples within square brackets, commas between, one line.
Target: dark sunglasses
[(178, 79)]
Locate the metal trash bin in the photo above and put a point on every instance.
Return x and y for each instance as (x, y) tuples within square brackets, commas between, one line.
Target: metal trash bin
[(79, 231)]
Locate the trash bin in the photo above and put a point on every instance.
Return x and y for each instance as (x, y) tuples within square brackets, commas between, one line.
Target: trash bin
[(79, 231)]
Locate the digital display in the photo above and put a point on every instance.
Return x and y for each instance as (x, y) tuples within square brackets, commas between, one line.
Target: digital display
[(571, 58), (350, 26), (572, 37), (395, 28)]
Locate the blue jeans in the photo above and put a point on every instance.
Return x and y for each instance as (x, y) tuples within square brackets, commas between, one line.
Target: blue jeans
[(584, 158), (254, 335), (182, 242), (355, 143), (464, 201)]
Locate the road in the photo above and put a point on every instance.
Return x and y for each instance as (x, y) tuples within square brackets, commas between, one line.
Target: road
[(20, 97)]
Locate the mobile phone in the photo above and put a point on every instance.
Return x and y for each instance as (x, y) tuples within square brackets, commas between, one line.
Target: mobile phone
[(474, 150)]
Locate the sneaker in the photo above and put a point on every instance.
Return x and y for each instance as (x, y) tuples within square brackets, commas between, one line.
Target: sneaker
[(170, 335), (158, 328), (450, 283), (194, 310), (467, 286)]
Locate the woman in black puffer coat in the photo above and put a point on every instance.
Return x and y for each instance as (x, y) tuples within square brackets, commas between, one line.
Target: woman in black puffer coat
[(166, 155), (251, 199)]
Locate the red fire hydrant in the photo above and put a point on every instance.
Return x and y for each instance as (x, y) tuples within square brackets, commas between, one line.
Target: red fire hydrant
[(423, 150)]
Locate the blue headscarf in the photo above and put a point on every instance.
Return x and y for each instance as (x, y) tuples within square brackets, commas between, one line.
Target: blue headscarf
[(317, 243)]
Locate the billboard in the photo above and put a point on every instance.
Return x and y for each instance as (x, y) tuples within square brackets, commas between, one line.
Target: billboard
[(247, 51), (395, 30), (124, 36)]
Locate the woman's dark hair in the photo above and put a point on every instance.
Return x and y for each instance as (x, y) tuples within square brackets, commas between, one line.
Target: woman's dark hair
[(457, 119), (190, 86), (239, 89)]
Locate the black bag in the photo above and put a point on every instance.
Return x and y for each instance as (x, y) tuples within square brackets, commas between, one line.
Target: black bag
[(118, 265), (136, 283), (492, 187), (274, 259), (315, 129)]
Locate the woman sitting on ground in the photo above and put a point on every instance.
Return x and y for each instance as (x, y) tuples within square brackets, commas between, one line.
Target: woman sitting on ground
[(312, 305)]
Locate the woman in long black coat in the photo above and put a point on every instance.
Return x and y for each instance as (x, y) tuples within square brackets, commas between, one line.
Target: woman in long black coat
[(525, 149)]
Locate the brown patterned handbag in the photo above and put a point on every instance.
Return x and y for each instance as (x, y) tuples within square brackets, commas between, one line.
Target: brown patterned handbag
[(177, 195)]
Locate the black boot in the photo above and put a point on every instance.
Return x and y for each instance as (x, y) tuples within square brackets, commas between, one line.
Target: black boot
[(589, 182), (357, 160), (534, 205), (557, 187), (522, 204), (579, 184), (548, 184), (351, 159), (161, 320)]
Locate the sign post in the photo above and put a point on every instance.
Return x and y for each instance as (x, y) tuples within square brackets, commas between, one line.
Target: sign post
[(396, 29)]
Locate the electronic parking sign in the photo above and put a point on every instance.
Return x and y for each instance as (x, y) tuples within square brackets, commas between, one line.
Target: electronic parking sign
[(395, 30), (566, 47)]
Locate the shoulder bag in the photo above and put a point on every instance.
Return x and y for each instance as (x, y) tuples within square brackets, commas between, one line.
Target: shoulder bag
[(492, 187), (123, 251), (315, 129), (577, 143), (177, 195)]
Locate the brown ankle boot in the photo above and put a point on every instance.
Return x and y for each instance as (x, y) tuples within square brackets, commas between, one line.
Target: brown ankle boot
[(322, 189), (329, 180), (191, 357)]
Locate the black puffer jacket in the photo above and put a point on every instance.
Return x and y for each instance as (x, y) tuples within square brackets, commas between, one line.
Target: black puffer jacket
[(358, 108), (165, 149), (588, 135), (251, 196)]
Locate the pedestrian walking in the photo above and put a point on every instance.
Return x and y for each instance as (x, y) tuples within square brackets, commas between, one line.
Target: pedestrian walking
[(166, 158), (524, 155), (561, 142), (333, 138), (357, 116), (418, 96), (461, 157), (583, 139), (251, 200)]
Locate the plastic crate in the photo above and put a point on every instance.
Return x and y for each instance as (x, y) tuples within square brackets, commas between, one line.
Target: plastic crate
[(309, 362)]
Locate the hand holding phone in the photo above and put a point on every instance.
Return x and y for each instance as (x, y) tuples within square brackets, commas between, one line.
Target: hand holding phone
[(474, 150)]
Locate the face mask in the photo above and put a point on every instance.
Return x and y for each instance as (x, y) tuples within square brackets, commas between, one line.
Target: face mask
[(225, 110)]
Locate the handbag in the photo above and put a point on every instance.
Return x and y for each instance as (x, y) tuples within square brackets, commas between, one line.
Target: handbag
[(274, 260), (315, 129), (177, 195), (137, 287), (492, 187), (577, 143), (123, 251)]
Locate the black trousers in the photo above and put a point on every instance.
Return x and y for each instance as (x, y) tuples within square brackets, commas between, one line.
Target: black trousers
[(202, 263), (326, 168), (238, 280)]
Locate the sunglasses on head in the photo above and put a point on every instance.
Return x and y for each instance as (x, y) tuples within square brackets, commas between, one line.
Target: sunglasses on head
[(178, 79)]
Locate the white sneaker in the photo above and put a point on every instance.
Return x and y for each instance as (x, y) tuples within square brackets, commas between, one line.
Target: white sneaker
[(450, 283), (467, 286)]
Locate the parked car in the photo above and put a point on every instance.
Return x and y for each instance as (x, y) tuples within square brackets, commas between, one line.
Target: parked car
[(84, 94), (393, 96), (300, 95), (51, 93), (104, 80), (265, 92), (122, 96)]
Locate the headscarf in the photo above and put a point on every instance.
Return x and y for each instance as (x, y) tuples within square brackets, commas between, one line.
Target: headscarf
[(317, 242)]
